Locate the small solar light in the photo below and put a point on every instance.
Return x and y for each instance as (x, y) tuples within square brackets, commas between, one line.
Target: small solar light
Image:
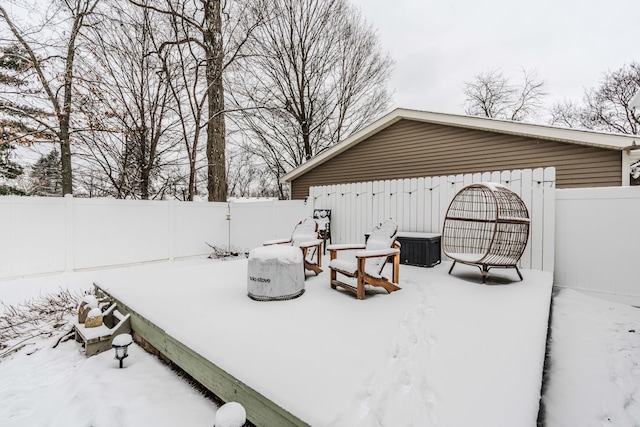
[(121, 344)]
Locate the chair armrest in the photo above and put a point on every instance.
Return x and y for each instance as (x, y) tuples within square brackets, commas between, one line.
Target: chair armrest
[(346, 246), (377, 253), (310, 243), (275, 242)]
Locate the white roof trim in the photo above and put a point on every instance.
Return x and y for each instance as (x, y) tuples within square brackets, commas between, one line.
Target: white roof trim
[(572, 136)]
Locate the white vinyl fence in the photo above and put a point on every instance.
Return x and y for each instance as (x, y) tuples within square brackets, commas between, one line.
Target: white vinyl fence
[(420, 204), (596, 231), (597, 241), (41, 235)]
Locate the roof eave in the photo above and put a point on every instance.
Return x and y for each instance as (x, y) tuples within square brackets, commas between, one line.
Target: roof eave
[(573, 136)]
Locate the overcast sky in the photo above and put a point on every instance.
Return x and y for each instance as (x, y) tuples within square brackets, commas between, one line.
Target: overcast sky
[(437, 46)]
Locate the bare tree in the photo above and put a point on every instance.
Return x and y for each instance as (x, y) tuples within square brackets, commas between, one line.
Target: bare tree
[(316, 74), (129, 113), (491, 94), (183, 66), (566, 114), (606, 108), (54, 67), (243, 174), (219, 29)]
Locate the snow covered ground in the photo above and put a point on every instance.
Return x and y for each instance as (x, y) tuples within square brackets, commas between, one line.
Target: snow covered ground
[(593, 367), (593, 372)]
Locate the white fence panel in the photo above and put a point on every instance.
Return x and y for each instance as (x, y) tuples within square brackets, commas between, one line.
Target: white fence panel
[(597, 236), (196, 226), (525, 195), (253, 223), (33, 235), (549, 217), (114, 232), (595, 230), (434, 205), (40, 235), (420, 204)]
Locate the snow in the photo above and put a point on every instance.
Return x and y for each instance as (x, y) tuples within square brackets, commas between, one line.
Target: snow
[(494, 186), (93, 313), (382, 236), (445, 350), (413, 234), (284, 254), (305, 232), (122, 340), (344, 265), (345, 246), (231, 414), (62, 388), (521, 219), (318, 352), (308, 243), (377, 252), (372, 266), (276, 242), (594, 373), (89, 300)]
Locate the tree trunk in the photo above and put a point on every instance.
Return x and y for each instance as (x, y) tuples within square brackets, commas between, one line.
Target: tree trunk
[(65, 156), (64, 117), (216, 174)]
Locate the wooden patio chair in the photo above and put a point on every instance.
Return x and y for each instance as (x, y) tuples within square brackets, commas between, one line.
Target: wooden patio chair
[(304, 236), (370, 259)]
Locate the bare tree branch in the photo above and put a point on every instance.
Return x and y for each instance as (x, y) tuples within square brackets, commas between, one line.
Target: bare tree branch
[(490, 94)]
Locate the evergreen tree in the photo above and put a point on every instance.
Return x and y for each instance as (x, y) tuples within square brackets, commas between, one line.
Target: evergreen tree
[(9, 170), (46, 175), (12, 69), (19, 120)]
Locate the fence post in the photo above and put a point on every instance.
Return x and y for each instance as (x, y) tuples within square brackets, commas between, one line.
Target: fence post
[(172, 229), (68, 233), (228, 218)]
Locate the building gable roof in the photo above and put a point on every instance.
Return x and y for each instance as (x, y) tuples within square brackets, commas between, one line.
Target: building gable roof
[(611, 141)]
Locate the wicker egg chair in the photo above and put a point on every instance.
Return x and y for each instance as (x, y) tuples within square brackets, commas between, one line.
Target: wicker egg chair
[(486, 225)]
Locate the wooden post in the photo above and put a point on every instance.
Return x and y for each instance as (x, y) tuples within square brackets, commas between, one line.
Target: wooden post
[(334, 275), (396, 268), (360, 290)]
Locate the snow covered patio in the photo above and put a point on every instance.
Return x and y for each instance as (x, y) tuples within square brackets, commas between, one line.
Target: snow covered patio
[(444, 349)]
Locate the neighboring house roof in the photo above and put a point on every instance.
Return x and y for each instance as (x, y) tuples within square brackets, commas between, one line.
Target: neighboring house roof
[(572, 136)]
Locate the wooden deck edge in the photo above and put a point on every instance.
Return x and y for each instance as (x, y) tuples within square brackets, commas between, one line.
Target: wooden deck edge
[(260, 410), (545, 364)]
